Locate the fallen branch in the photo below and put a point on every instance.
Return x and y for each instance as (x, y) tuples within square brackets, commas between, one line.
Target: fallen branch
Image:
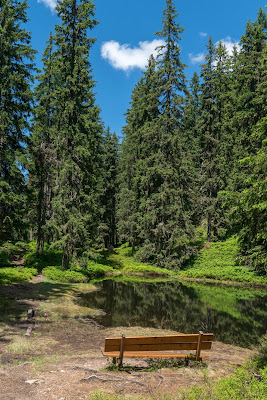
[(160, 381)]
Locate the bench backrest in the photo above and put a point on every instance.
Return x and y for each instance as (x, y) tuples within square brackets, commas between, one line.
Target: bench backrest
[(159, 343)]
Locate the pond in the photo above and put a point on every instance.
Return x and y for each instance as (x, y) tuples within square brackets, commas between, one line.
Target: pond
[(235, 315)]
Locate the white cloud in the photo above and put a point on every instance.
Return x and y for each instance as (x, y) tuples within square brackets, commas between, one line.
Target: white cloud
[(122, 56), (49, 3), (196, 58), (229, 44), (203, 34)]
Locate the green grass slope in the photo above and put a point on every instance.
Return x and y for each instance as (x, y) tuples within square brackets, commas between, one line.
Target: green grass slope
[(218, 261)]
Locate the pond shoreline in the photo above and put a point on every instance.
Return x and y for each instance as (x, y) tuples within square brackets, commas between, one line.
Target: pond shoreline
[(256, 285)]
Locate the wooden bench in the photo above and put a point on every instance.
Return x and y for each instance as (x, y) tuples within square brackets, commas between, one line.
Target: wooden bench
[(157, 346)]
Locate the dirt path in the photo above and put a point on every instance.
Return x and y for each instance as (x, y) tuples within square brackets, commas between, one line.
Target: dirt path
[(62, 359)]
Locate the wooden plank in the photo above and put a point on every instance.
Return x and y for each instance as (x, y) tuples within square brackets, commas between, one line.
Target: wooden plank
[(161, 339), (114, 343), (160, 347), (150, 354)]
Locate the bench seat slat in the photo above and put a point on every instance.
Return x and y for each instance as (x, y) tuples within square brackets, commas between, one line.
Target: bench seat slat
[(149, 354), (160, 347), (188, 338)]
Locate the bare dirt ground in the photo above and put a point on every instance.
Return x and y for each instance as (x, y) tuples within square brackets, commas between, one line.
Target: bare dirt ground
[(62, 360)]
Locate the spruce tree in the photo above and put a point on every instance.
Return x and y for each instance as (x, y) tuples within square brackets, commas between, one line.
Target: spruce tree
[(108, 223), (216, 141), (248, 76), (250, 204), (190, 133), (158, 176), (42, 151), (170, 202), (172, 80), (78, 129), (140, 117), (16, 76)]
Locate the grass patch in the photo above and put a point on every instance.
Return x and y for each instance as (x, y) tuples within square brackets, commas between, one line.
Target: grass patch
[(65, 307), (60, 275), (218, 261), (21, 345)]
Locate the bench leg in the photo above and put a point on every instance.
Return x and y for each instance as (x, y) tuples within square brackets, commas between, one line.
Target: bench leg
[(199, 345), (121, 349), (114, 360)]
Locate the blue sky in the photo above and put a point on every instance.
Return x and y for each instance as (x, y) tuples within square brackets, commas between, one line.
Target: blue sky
[(125, 38)]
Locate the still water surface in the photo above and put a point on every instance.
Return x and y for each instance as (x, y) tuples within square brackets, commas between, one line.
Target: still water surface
[(235, 315)]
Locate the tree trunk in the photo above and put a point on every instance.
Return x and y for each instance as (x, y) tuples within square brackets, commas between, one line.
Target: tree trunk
[(208, 227), (65, 258)]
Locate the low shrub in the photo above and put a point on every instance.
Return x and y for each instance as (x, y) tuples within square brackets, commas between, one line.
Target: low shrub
[(95, 270), (16, 274), (243, 385), (40, 261), (60, 275), (260, 359), (126, 263), (4, 261)]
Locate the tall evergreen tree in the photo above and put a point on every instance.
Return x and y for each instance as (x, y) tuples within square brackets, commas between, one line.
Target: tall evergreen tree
[(138, 132), (169, 233), (41, 147), (172, 80), (78, 130), (248, 76), (190, 133), (16, 75), (215, 137), (250, 204), (108, 223), (158, 178)]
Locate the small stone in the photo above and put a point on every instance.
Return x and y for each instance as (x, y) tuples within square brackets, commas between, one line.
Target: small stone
[(31, 381)]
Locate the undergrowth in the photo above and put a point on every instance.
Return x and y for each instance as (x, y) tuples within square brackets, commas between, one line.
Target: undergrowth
[(122, 257), (16, 274), (218, 261)]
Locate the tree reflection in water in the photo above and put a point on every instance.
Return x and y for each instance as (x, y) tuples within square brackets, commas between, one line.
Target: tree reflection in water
[(235, 315)]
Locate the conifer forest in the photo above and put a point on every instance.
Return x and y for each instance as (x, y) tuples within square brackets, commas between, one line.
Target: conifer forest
[(190, 171), (144, 238)]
